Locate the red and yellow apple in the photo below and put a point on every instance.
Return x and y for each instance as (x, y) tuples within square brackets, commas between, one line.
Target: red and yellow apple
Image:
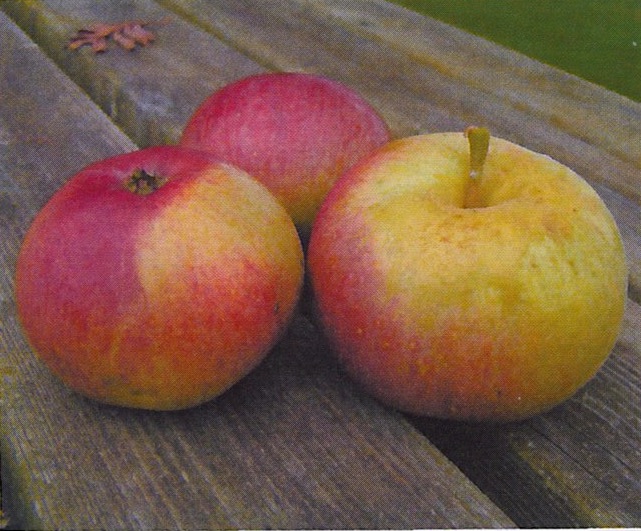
[(157, 279), (294, 132), (462, 283)]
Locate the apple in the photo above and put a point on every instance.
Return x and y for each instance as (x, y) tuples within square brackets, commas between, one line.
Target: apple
[(294, 132), (480, 283), (157, 279)]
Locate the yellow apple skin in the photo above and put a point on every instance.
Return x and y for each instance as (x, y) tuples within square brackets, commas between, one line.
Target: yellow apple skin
[(486, 300)]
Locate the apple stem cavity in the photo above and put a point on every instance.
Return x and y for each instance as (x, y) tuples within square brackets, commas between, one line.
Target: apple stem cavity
[(143, 183), (479, 140)]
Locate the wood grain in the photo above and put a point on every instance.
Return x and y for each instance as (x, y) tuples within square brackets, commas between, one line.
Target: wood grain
[(294, 445), (403, 63), (578, 465), (429, 76), (432, 92), (150, 93), (439, 79), (567, 103), (298, 424)]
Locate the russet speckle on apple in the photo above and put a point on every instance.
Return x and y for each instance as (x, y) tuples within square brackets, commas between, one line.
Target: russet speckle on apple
[(467, 278)]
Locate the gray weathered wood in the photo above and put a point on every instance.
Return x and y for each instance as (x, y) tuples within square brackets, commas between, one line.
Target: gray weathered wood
[(429, 91), (439, 79), (405, 63), (578, 465), (582, 110), (294, 445), (409, 71), (150, 93)]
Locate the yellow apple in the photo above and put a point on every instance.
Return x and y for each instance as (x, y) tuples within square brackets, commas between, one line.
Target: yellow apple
[(473, 282)]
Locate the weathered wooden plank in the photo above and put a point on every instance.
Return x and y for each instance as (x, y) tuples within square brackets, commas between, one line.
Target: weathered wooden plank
[(430, 91), (579, 465), (293, 445), (362, 44), (628, 217), (420, 91), (130, 87), (570, 104), (594, 131)]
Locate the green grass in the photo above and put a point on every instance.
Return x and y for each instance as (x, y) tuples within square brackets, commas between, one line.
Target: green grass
[(598, 40)]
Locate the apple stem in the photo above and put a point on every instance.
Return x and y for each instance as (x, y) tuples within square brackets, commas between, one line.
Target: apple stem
[(479, 140), (142, 183)]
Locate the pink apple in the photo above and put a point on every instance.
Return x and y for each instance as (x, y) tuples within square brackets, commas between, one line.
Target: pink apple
[(157, 279), (464, 284), (294, 132)]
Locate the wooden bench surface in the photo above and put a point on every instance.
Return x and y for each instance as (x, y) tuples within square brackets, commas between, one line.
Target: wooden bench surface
[(296, 444)]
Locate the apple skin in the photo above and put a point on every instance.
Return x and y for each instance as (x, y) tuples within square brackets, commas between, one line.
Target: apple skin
[(158, 301), (294, 132), (487, 300)]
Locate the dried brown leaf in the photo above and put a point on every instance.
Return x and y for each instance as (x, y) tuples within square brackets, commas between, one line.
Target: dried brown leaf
[(126, 34), (139, 34), (124, 41)]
